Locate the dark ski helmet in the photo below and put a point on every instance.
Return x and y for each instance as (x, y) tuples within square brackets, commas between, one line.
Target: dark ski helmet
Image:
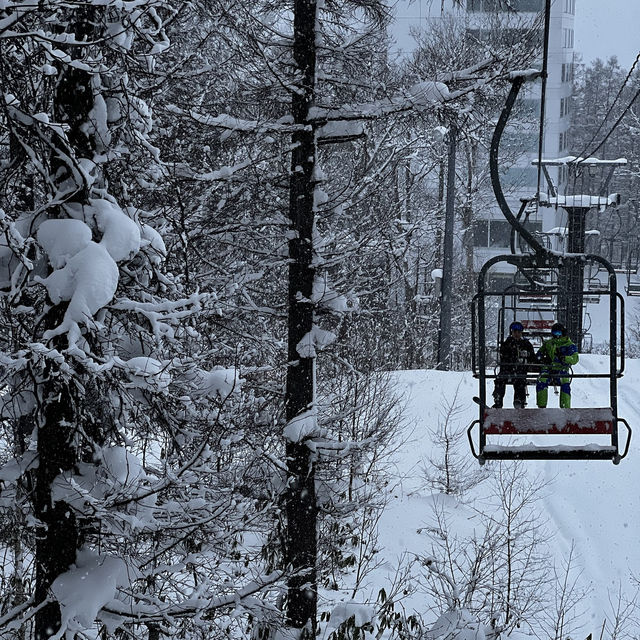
[(516, 326), (558, 329)]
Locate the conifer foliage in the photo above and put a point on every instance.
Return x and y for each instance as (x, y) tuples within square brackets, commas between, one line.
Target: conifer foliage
[(115, 434)]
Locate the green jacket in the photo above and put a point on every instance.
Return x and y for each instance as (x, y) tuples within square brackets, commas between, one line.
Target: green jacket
[(558, 353)]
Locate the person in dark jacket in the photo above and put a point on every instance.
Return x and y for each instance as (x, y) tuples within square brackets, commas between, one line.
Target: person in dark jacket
[(557, 356), (516, 354)]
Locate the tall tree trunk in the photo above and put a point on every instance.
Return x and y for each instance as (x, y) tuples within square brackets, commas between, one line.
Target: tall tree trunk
[(59, 535), (300, 392)]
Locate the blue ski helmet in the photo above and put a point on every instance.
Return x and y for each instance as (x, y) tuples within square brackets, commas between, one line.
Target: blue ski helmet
[(516, 326)]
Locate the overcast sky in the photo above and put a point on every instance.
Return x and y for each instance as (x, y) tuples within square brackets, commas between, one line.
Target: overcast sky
[(607, 27)]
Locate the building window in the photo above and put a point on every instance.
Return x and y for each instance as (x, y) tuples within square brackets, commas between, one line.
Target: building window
[(491, 233), (519, 177), (563, 141), (534, 227), (481, 233), (570, 6), (567, 72), (499, 233), (563, 175), (527, 5), (520, 140), (567, 38), (500, 281), (565, 106)]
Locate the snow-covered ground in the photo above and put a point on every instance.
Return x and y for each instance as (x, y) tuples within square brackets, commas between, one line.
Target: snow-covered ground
[(592, 507)]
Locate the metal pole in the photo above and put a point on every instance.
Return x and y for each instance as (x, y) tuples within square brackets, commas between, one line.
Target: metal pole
[(444, 338), (572, 306)]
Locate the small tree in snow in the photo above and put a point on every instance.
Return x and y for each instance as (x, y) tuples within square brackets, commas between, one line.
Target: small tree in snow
[(452, 471)]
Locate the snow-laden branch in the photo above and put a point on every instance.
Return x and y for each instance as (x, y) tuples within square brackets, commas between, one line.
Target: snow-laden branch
[(151, 609), (423, 95), (231, 123)]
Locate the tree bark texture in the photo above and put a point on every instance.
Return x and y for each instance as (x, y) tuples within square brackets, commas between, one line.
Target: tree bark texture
[(59, 534), (301, 500)]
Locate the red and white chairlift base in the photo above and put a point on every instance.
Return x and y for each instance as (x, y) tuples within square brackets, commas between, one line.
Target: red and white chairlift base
[(539, 423)]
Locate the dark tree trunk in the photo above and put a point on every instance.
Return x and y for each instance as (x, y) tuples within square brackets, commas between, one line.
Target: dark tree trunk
[(59, 535), (301, 500)]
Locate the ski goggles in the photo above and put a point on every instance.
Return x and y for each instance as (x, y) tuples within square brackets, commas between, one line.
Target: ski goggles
[(556, 333)]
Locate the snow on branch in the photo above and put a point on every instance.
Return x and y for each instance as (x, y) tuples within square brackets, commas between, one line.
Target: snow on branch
[(85, 272), (232, 124), (162, 315), (144, 608)]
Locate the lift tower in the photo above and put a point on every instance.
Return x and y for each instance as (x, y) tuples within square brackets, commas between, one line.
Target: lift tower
[(577, 206)]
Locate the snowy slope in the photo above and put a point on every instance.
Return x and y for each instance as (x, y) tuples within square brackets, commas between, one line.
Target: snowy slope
[(593, 506)]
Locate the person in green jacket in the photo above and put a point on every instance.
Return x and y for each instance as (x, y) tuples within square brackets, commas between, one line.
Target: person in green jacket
[(556, 355)]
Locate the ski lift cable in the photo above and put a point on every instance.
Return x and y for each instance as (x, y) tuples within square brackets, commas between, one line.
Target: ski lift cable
[(583, 153), (617, 122)]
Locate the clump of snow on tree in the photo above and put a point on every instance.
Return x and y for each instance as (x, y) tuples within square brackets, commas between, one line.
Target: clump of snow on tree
[(457, 624), (121, 465), (86, 588), (362, 614), (86, 272), (220, 381), (314, 340), (427, 93), (148, 373), (325, 297), (153, 244), (120, 234), (304, 426), (63, 239), (88, 281)]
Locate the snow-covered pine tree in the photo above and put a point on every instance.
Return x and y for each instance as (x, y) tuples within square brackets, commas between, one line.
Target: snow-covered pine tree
[(116, 432)]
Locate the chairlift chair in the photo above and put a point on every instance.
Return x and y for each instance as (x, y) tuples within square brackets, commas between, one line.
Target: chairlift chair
[(543, 434)]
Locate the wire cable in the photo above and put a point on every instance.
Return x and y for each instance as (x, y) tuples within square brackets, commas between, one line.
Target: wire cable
[(618, 121), (583, 153)]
